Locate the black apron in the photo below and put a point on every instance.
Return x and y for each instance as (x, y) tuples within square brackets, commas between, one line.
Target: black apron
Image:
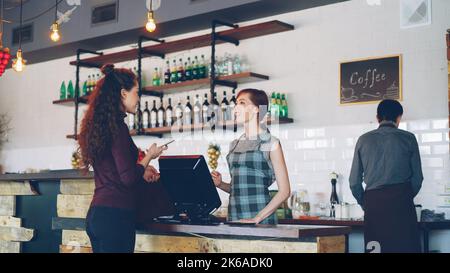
[(390, 221)]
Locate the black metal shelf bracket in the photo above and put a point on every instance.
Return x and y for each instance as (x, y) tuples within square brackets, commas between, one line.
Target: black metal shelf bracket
[(77, 81), (141, 53), (214, 38)]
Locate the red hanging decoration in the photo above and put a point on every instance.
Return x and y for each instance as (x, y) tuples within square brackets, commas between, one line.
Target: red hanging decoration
[(5, 57)]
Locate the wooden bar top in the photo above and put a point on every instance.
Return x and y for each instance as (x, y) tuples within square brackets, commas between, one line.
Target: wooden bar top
[(222, 229), (51, 175), (273, 231)]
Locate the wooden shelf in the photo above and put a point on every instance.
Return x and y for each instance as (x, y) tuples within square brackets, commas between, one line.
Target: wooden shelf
[(241, 33), (160, 131), (176, 129), (71, 102), (245, 77)]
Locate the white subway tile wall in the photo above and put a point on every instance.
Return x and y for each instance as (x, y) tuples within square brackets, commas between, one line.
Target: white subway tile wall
[(313, 153)]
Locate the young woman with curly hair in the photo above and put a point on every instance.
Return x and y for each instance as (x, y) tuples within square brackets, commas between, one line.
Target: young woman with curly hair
[(106, 145)]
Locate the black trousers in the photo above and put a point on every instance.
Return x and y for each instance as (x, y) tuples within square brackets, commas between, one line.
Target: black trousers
[(390, 221), (111, 230)]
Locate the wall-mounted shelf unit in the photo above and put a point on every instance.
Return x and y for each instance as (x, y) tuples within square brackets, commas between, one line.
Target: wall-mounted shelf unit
[(241, 33), (161, 48)]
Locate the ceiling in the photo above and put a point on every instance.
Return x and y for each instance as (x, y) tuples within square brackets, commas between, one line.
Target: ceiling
[(10, 4), (176, 21)]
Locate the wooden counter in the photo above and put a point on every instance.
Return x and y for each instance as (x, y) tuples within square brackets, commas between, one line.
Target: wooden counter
[(163, 237), (55, 175)]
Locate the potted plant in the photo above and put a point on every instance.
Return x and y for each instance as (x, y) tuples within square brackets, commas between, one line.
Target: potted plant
[(4, 128)]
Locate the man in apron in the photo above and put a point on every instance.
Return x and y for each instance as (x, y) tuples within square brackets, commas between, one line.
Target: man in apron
[(388, 161)]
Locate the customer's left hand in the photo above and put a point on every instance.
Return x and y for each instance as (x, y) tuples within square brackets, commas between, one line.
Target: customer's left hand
[(151, 174)]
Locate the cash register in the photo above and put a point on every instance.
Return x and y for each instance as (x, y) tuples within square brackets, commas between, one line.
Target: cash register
[(189, 185)]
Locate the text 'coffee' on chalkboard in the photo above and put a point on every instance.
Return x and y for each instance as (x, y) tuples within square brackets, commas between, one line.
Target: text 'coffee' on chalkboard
[(371, 80)]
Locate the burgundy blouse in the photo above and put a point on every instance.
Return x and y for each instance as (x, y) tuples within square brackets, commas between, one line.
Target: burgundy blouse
[(117, 174)]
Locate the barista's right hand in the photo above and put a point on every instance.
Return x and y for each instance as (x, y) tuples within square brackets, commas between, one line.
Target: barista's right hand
[(217, 178)]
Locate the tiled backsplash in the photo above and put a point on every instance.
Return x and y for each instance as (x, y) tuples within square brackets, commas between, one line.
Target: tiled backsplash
[(313, 153)]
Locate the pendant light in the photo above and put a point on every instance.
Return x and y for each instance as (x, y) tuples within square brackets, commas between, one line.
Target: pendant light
[(19, 62), (151, 23), (54, 35)]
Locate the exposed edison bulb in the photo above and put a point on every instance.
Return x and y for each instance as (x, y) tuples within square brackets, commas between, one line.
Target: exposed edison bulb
[(19, 62), (54, 36), (151, 24)]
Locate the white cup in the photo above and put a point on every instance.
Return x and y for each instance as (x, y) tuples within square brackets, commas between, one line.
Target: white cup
[(338, 211), (345, 211)]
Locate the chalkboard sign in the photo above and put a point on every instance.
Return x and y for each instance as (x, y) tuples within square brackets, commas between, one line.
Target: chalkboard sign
[(371, 80)]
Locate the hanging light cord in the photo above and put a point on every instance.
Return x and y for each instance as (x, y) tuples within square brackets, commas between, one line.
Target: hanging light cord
[(56, 10), (42, 13), (20, 29), (1, 21)]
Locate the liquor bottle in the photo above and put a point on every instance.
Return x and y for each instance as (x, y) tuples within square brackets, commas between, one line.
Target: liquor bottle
[(197, 111), (334, 200), (187, 112), (98, 78), (84, 91), (274, 109), (284, 106), (131, 122), (94, 82), (173, 72), (156, 79), (138, 119), (180, 71), (225, 108), (202, 68), (215, 115), (153, 116), (89, 85), (233, 101), (205, 110), (188, 72), (179, 114), (62, 91), (228, 65), (231, 107), (161, 111), (146, 117), (169, 114), (167, 73), (195, 69), (70, 90)]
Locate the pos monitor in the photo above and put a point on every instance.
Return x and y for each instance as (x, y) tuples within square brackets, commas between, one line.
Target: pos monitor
[(189, 185)]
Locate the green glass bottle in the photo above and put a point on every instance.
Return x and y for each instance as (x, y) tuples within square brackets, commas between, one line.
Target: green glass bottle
[(62, 91), (274, 111), (85, 89), (284, 107), (70, 90)]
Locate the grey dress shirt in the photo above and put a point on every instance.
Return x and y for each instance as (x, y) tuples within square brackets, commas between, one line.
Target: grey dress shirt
[(385, 156)]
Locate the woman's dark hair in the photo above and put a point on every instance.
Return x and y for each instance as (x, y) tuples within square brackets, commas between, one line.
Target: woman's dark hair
[(259, 99), (100, 123), (389, 110)]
